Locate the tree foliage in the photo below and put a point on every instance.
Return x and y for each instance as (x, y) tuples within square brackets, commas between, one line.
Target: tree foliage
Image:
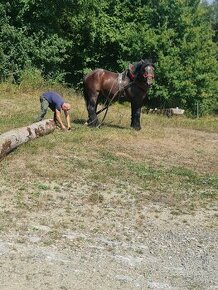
[(65, 39)]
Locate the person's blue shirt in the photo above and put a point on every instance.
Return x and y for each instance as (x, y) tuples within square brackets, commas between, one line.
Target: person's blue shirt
[(54, 99)]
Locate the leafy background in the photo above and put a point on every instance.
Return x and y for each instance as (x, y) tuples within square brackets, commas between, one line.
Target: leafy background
[(63, 40)]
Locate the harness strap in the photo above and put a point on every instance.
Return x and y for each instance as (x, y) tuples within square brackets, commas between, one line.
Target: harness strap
[(119, 80)]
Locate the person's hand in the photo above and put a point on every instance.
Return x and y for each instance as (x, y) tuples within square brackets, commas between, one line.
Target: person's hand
[(64, 129)]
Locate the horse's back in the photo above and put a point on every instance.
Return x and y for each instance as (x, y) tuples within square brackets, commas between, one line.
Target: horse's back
[(92, 73), (99, 79), (99, 72)]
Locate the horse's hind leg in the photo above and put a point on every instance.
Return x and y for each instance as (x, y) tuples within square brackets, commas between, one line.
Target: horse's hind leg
[(91, 104), (91, 108)]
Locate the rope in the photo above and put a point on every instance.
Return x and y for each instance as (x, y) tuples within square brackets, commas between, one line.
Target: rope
[(107, 107)]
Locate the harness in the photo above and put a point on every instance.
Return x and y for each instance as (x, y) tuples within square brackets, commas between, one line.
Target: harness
[(121, 88)]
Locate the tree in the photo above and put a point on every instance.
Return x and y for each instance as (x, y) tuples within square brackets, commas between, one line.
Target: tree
[(65, 39), (186, 55)]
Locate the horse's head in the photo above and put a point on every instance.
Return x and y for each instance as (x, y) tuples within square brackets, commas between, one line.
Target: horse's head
[(147, 72)]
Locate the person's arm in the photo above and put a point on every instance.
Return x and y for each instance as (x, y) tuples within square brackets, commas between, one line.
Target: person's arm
[(58, 117), (67, 116)]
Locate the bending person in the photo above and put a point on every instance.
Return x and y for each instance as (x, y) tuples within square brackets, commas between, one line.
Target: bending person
[(56, 103)]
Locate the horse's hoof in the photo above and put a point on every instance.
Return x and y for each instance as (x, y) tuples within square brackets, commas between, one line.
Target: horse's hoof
[(136, 128), (91, 125)]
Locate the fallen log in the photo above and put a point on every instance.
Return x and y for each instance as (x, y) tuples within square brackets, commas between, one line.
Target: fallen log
[(14, 138)]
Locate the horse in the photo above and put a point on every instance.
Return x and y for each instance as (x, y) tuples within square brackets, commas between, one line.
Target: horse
[(113, 87)]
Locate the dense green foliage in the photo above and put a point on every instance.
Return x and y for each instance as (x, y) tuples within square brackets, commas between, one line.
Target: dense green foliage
[(66, 38)]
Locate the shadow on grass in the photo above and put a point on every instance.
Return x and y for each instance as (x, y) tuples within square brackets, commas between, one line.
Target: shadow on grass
[(83, 121), (114, 126), (79, 121)]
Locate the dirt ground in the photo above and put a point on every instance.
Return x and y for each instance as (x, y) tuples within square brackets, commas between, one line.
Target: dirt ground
[(86, 235), (168, 254)]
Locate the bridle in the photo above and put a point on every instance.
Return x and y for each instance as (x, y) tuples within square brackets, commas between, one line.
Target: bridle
[(148, 74)]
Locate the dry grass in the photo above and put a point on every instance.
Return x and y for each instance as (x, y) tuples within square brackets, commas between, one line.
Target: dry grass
[(170, 161)]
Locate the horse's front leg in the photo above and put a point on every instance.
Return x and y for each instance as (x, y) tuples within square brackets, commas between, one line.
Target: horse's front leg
[(135, 116), (93, 119)]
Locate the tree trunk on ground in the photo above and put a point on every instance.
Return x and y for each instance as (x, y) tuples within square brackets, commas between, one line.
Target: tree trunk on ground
[(14, 138)]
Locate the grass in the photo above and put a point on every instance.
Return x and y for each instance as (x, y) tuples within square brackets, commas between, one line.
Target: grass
[(171, 161), (206, 123)]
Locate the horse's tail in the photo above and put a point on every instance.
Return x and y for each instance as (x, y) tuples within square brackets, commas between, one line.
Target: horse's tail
[(85, 93)]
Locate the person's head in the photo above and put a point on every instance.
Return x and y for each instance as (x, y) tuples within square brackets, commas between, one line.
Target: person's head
[(66, 107)]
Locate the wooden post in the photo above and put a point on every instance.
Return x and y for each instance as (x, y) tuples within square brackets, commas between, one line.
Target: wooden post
[(14, 138)]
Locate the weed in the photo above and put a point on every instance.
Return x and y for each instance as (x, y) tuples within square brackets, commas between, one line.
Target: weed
[(96, 198), (43, 186), (207, 194), (182, 171), (36, 193), (20, 199)]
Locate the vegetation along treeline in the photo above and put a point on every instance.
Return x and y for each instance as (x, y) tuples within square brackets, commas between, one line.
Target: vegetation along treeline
[(64, 39)]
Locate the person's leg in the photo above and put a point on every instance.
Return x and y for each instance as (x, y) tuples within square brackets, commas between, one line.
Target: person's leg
[(44, 109)]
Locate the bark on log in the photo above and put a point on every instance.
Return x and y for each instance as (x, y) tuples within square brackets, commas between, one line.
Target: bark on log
[(14, 138)]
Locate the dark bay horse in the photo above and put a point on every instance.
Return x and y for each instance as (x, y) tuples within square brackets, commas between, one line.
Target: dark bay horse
[(114, 86)]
